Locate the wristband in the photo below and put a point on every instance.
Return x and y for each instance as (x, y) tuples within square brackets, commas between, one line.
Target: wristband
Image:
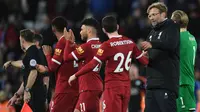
[(27, 89), (10, 64), (17, 95)]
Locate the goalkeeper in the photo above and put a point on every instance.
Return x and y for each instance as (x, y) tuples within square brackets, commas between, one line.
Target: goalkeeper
[(188, 47)]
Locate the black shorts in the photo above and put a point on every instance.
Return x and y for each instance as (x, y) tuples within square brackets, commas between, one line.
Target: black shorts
[(160, 100), (37, 102)]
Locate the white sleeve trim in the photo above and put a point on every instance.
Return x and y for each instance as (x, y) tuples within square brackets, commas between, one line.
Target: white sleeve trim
[(140, 55), (75, 57), (57, 62), (97, 59)]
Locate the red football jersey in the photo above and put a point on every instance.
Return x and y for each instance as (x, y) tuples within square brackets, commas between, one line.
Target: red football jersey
[(63, 70), (118, 52), (84, 54)]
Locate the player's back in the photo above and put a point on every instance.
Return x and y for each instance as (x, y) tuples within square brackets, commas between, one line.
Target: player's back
[(65, 71), (118, 61), (92, 80), (188, 47)]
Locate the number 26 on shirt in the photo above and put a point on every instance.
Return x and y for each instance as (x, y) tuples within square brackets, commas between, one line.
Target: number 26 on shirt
[(122, 58)]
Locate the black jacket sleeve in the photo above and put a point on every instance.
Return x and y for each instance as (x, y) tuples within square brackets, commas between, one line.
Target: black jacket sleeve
[(33, 58), (171, 40), (43, 60)]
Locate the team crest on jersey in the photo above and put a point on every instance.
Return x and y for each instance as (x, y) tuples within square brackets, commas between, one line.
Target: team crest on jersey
[(159, 35), (100, 52), (80, 50), (58, 52), (150, 38)]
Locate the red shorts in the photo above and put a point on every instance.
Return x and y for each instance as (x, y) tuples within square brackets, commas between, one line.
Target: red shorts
[(115, 99), (88, 101), (64, 102)]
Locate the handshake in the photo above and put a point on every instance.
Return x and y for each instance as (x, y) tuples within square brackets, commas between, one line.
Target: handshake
[(145, 45)]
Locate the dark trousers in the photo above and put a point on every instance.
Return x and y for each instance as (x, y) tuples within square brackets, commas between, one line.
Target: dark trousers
[(37, 102), (160, 100)]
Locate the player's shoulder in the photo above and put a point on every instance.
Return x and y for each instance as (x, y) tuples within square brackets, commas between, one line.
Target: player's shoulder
[(130, 40), (32, 50), (61, 40), (95, 44), (119, 41), (33, 53), (127, 38), (85, 45), (82, 48), (191, 36), (106, 43), (93, 41)]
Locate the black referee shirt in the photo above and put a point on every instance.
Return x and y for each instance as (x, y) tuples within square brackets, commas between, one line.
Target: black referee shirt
[(33, 57)]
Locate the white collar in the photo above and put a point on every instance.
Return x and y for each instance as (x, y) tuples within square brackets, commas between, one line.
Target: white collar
[(61, 37), (117, 36), (92, 39), (29, 46), (165, 19)]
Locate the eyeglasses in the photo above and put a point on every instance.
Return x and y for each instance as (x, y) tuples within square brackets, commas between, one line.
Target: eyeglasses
[(154, 14)]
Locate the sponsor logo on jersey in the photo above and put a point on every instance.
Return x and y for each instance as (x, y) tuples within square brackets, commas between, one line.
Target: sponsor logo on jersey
[(95, 46), (100, 52), (58, 52), (150, 37), (80, 50), (159, 35)]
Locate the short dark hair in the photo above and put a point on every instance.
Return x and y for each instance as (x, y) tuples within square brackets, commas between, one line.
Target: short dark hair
[(59, 23), (91, 22), (109, 23), (27, 35), (39, 38)]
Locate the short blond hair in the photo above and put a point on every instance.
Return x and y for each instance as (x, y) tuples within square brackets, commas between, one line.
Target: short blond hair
[(181, 18), (159, 5)]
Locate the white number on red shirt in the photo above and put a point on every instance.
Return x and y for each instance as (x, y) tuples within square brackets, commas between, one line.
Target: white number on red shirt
[(120, 56)]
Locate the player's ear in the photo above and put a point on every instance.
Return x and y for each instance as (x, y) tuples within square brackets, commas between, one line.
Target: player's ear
[(89, 29), (54, 29), (164, 15), (104, 30), (175, 22), (37, 43), (117, 27), (23, 40)]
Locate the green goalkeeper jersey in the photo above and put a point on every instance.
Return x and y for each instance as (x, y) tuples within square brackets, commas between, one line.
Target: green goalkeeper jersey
[(188, 47)]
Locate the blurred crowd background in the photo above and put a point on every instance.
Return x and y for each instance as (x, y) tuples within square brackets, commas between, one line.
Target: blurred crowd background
[(16, 15)]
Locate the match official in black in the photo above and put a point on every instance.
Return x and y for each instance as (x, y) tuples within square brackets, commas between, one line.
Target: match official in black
[(163, 68), (32, 85)]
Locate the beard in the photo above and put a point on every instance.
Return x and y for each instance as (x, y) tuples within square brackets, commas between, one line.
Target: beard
[(154, 23), (84, 38)]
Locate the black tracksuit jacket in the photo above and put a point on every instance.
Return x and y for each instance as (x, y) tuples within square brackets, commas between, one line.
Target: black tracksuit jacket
[(163, 68)]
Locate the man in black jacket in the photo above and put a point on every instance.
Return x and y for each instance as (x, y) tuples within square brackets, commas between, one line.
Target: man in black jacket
[(163, 68)]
